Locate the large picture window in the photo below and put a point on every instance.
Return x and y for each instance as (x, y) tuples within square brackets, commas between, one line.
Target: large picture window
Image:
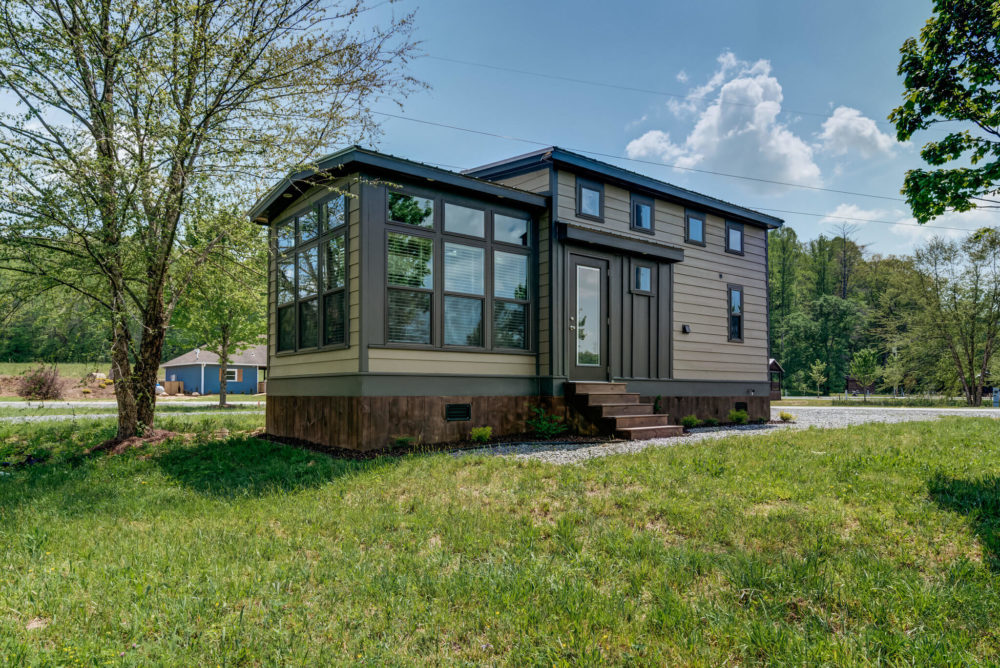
[(311, 277), (458, 277)]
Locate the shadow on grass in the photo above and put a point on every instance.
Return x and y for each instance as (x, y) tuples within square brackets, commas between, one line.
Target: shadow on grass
[(253, 467), (980, 500)]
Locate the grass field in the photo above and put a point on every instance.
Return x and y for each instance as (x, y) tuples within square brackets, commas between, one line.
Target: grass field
[(875, 544), (112, 410), (75, 370)]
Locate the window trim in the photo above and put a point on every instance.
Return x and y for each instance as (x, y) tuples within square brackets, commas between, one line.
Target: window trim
[(632, 282), (697, 215), (730, 288), (732, 225), (235, 373), (582, 182), (648, 201), (291, 254)]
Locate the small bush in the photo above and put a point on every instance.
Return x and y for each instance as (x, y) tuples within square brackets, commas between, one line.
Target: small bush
[(785, 416), (85, 390), (40, 383), (710, 422), (481, 434), (690, 421), (405, 441), (544, 425), (738, 417)]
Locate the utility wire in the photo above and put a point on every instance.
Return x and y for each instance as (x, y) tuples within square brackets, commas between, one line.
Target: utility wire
[(855, 219)]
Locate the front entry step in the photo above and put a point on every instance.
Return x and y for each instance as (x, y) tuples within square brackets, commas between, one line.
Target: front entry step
[(618, 412)]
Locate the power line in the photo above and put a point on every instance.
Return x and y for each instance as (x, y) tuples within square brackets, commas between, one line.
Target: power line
[(639, 160), (855, 219)]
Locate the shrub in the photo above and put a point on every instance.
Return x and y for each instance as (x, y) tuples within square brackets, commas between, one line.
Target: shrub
[(40, 383), (404, 441), (785, 416), (690, 421), (738, 417), (481, 434), (85, 390), (710, 422), (544, 425)]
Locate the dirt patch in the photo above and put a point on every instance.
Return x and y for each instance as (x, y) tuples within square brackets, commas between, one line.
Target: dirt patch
[(114, 447), (37, 623), (72, 388)]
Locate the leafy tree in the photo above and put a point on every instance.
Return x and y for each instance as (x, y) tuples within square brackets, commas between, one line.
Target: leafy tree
[(894, 373), (817, 374), (135, 117), (952, 73), (865, 368), (225, 310)]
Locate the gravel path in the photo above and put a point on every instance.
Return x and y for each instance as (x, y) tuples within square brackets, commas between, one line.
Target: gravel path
[(22, 419), (818, 416)]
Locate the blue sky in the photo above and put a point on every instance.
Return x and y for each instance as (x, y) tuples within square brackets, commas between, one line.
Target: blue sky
[(779, 90)]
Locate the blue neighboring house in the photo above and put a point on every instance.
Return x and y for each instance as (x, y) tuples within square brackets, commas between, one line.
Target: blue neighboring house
[(200, 372)]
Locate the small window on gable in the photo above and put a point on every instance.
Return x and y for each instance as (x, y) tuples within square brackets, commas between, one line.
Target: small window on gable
[(736, 313), (734, 237), (694, 228), (589, 199), (642, 213)]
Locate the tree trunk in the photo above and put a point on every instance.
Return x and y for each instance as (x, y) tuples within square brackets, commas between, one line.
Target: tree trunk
[(147, 365), (223, 367), (121, 372)]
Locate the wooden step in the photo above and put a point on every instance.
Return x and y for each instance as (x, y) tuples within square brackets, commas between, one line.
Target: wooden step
[(643, 433), (610, 410), (602, 398), (588, 387), (625, 421)]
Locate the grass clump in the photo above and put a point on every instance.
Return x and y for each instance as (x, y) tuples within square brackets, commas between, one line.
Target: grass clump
[(738, 416), (690, 421), (785, 416), (710, 422), (546, 426), (481, 434)]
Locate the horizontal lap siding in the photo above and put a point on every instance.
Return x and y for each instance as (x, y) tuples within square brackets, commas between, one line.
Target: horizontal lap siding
[(329, 361), (535, 182), (436, 362), (700, 295)]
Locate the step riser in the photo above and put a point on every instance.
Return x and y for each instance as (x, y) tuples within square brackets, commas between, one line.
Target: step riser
[(641, 434), (630, 409), (600, 399), (641, 421), (586, 388)]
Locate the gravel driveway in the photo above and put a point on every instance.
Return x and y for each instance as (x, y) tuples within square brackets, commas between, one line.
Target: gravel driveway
[(811, 416)]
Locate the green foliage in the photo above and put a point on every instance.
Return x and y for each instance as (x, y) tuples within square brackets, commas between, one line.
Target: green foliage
[(710, 422), (405, 442), (481, 434), (866, 369), (952, 73), (690, 421), (738, 416), (817, 374), (545, 425), (42, 382), (906, 402), (785, 416)]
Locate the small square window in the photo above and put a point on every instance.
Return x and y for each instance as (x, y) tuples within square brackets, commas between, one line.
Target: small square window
[(734, 237), (643, 279), (510, 230), (463, 220), (642, 213), (411, 210), (694, 228), (589, 199), (231, 375)]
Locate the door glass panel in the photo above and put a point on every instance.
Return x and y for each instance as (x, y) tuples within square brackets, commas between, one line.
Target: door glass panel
[(588, 316)]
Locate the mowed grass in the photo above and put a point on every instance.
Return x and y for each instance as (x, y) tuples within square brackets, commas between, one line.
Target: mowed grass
[(874, 544), (112, 410), (75, 370)]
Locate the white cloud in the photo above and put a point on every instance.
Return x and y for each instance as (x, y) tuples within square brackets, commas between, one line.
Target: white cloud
[(847, 130), (904, 234), (682, 76), (738, 131)]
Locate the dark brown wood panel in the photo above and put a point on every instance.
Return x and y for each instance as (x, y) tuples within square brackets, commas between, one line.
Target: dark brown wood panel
[(713, 407)]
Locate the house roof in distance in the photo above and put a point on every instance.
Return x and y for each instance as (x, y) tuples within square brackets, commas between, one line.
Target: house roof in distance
[(254, 356), (632, 180), (352, 158)]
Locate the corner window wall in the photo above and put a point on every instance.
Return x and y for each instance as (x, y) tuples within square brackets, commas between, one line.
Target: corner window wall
[(457, 274), (311, 276)]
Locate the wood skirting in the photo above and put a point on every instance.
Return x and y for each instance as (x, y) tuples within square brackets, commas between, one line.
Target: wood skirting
[(714, 407), (371, 423)]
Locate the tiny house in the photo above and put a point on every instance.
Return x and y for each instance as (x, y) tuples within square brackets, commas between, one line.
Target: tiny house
[(411, 301), (199, 371)]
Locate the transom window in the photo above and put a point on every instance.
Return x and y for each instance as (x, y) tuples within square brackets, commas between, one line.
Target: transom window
[(694, 228), (311, 275), (642, 213), (736, 313), (461, 280), (734, 237), (589, 199)]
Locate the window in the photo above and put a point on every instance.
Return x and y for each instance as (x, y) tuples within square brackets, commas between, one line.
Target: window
[(510, 230), (694, 228), (510, 306), (411, 266), (736, 313), (642, 279), (642, 213), (464, 294), (231, 375), (589, 199), (311, 277), (411, 210), (463, 220), (734, 237)]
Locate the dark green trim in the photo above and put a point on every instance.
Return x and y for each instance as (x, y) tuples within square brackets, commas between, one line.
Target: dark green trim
[(618, 244)]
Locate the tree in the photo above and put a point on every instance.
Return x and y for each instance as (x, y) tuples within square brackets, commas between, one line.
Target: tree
[(865, 368), (225, 310), (817, 374), (784, 257), (952, 73), (958, 286), (894, 373), (136, 116)]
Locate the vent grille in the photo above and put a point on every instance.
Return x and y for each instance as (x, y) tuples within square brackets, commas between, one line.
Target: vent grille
[(741, 405), (457, 412)]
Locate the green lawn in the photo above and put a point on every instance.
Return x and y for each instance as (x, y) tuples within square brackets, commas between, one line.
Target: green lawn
[(75, 370), (875, 544), (112, 409)]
